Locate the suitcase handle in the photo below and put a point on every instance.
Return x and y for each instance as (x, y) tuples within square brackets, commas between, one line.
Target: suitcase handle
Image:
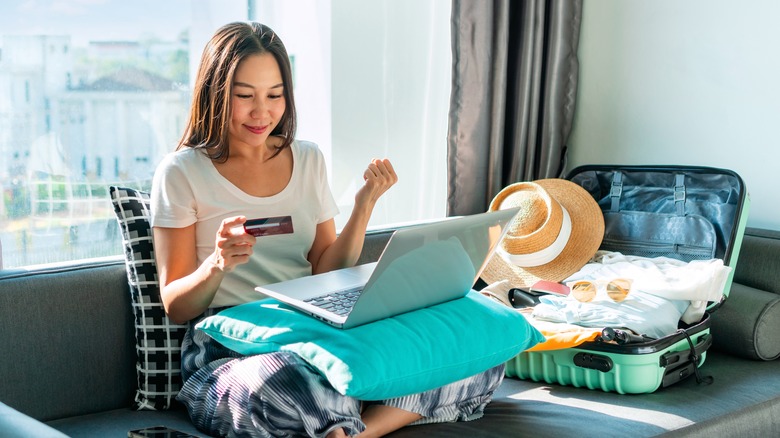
[(593, 361), (674, 375), (686, 362), (674, 357)]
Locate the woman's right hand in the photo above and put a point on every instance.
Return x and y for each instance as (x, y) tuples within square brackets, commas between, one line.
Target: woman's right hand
[(188, 288), (232, 247)]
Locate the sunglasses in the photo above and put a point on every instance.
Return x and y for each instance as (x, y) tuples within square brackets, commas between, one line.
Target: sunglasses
[(585, 290)]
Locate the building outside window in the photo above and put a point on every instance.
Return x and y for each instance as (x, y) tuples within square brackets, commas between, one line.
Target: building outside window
[(94, 93)]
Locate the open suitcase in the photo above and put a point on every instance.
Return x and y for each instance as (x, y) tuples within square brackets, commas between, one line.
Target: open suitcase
[(682, 212)]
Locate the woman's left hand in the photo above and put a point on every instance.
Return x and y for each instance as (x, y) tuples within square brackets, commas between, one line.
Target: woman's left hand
[(331, 251), (379, 177)]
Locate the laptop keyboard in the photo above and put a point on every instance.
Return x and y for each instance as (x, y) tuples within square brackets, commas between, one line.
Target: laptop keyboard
[(339, 302)]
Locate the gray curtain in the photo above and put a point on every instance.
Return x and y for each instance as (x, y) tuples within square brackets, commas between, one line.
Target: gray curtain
[(514, 84)]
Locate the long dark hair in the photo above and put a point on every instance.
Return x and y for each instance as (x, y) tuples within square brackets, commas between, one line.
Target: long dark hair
[(209, 121)]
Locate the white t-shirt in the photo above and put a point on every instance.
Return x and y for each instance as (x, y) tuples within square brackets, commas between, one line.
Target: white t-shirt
[(187, 189)]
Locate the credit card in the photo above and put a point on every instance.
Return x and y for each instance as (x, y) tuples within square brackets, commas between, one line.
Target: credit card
[(268, 226)]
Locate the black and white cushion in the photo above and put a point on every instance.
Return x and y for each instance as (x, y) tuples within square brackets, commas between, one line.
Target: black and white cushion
[(158, 339)]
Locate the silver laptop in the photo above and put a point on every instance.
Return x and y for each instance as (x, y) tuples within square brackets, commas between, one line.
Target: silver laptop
[(421, 266)]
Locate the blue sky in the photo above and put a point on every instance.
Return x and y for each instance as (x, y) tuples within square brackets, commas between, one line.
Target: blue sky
[(87, 20)]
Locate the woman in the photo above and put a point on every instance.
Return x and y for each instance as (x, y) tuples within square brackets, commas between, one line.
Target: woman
[(238, 159)]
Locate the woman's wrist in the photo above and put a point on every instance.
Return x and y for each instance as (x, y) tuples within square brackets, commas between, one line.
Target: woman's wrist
[(363, 211), (215, 263)]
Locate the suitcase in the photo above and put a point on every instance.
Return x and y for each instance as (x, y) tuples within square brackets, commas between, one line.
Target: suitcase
[(682, 212)]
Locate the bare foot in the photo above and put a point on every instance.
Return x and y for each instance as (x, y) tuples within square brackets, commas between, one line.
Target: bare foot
[(337, 433), (381, 420)]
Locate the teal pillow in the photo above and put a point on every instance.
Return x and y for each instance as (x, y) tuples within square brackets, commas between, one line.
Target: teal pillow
[(397, 356)]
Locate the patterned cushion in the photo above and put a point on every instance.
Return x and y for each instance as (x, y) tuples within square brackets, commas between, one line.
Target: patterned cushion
[(158, 339)]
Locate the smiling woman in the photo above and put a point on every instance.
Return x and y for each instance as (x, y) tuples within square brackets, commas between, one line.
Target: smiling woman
[(259, 103), (257, 89), (99, 98)]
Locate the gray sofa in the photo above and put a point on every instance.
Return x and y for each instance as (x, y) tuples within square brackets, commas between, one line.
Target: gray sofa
[(67, 359)]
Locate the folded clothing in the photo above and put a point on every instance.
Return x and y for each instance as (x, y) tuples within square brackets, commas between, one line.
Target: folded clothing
[(641, 312), (559, 335), (697, 282)]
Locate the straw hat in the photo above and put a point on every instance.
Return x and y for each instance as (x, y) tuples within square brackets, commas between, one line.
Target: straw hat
[(557, 231)]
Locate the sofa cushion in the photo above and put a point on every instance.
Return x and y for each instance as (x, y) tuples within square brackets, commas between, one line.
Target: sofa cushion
[(158, 339), (743, 401), (393, 357)]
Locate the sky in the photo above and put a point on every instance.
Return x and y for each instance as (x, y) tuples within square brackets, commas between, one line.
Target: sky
[(89, 20)]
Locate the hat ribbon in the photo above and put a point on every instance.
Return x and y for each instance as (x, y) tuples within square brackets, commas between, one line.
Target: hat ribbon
[(545, 255)]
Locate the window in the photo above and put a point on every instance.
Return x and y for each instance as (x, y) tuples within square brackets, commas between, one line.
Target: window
[(95, 93)]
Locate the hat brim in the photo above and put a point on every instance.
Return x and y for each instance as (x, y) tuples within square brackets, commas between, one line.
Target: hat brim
[(586, 236)]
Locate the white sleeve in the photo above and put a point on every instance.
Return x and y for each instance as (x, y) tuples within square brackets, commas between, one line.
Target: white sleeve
[(173, 202)]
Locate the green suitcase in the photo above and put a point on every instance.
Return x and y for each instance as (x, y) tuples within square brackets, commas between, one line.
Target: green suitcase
[(658, 195)]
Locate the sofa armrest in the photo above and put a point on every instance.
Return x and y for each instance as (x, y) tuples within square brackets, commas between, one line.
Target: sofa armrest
[(14, 424), (748, 322), (67, 340), (757, 263)]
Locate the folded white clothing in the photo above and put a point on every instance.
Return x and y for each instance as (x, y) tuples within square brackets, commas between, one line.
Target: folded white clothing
[(641, 312), (698, 281)]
